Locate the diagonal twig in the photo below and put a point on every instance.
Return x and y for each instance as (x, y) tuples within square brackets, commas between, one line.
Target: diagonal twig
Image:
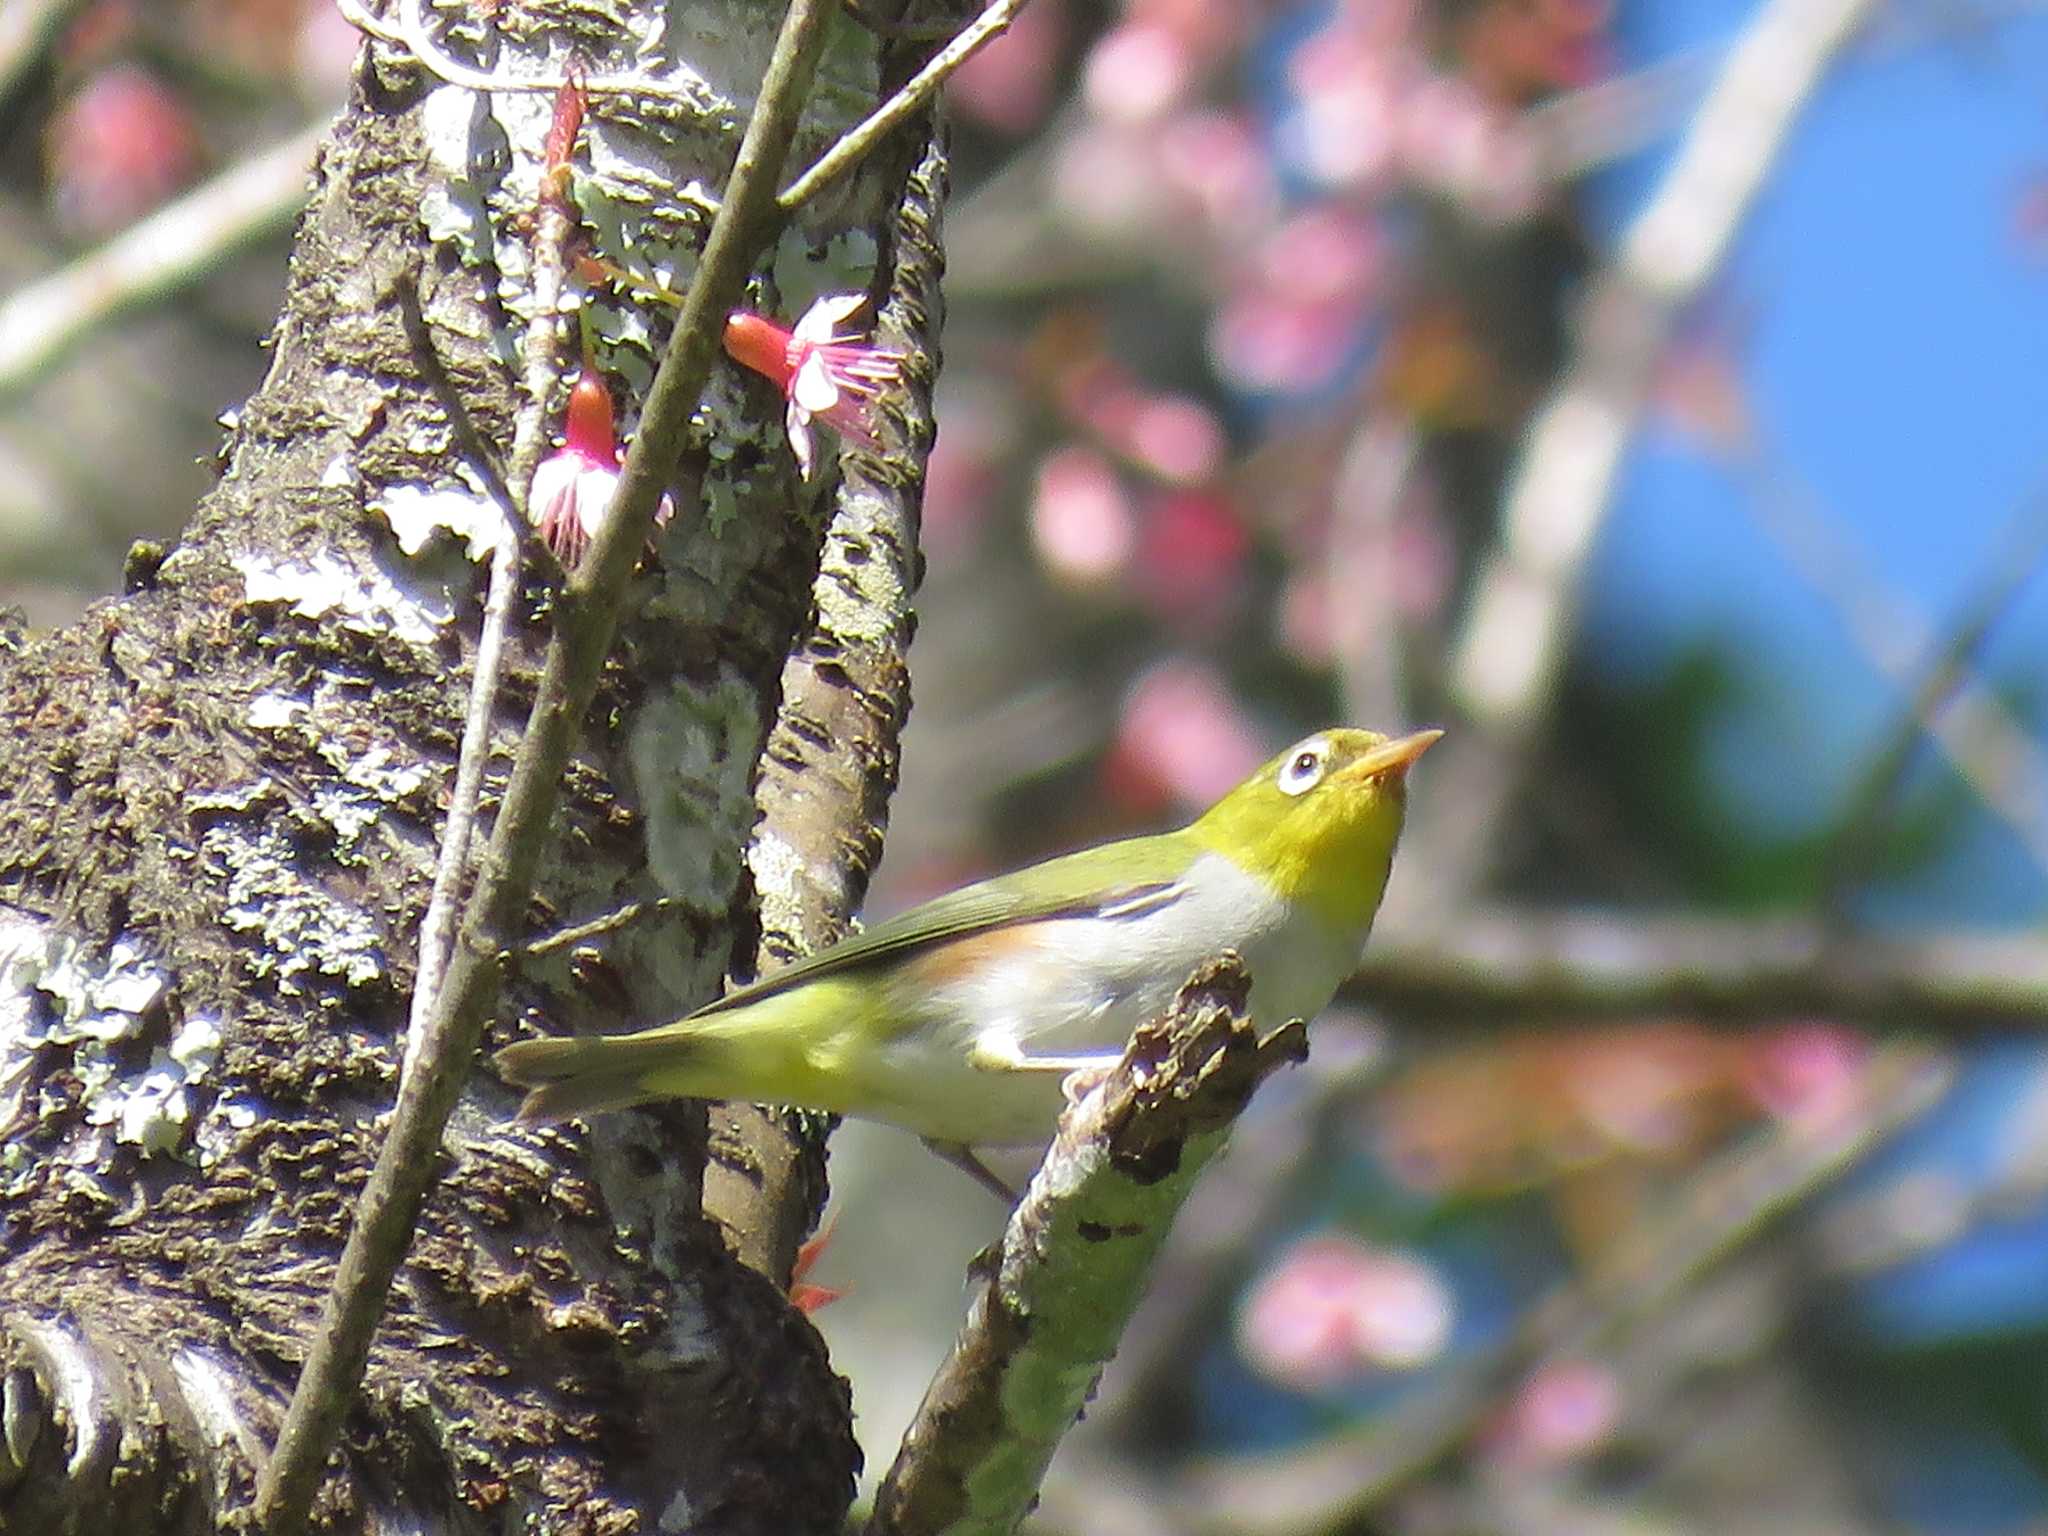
[(451, 862), (1990, 750), (860, 140), (586, 619), (1504, 663), (1945, 678), (178, 243)]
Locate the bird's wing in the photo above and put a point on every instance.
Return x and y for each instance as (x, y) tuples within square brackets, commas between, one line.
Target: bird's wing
[(1146, 878)]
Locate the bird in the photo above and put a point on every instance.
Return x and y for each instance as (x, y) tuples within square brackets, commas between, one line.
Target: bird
[(962, 1019)]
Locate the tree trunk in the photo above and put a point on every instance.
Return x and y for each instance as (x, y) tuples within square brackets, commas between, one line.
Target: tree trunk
[(218, 819)]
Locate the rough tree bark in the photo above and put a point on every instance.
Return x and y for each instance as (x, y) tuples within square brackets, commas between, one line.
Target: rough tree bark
[(218, 813)]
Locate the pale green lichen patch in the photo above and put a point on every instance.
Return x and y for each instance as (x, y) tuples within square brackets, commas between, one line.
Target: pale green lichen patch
[(367, 601), (418, 513), (304, 932), (152, 1112), (58, 992), (94, 996), (275, 711), (692, 754), (221, 1128)]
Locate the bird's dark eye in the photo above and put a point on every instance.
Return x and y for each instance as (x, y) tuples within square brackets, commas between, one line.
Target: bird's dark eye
[(1304, 769)]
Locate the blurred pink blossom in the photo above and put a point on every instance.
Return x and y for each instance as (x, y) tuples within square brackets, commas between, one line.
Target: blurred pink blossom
[(1008, 85), (1809, 1073), (1332, 1309), (1207, 29), (1215, 160), (1106, 178), (1305, 622), (324, 51), (121, 145), (1348, 86), (1135, 73), (1181, 738), (1325, 254), (1261, 342), (1191, 557), (1082, 521), (1176, 437), (1455, 141), (1562, 1412)]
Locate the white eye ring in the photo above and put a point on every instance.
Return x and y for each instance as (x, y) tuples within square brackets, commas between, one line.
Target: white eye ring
[(1303, 770)]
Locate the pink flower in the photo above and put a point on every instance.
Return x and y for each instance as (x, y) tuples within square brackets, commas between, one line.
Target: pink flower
[(1566, 1411), (573, 488), (825, 375), (1332, 1310), (120, 146)]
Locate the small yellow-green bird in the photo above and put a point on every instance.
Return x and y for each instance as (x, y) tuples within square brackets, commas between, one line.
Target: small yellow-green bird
[(961, 1019)]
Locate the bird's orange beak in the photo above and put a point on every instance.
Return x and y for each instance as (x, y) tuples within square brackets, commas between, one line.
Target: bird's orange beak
[(1393, 758)]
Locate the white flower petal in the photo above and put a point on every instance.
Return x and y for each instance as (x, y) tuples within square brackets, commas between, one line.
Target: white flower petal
[(553, 479), (814, 388), (798, 422), (821, 321)]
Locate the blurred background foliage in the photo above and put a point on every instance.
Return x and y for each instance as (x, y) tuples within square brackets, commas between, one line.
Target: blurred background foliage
[(1256, 311)]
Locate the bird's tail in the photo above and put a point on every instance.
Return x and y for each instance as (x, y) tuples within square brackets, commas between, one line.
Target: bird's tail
[(568, 1077)]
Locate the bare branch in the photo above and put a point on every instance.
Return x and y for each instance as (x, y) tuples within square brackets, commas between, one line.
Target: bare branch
[(174, 245), (1072, 1263), (1990, 750), (586, 621), (1540, 968), (861, 140), (27, 29), (1947, 677)]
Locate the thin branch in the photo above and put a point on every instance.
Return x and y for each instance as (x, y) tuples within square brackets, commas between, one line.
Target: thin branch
[(1582, 129), (437, 926), (451, 864), (179, 242), (28, 28), (830, 763), (1729, 1205), (860, 141), (1991, 751), (1071, 1265), (1945, 675), (554, 228), (586, 618), (1542, 968)]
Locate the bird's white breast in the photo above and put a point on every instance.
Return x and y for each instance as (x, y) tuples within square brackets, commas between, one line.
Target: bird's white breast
[(1079, 986)]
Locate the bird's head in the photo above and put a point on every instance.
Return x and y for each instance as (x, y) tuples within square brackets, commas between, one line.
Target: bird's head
[(1319, 821)]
